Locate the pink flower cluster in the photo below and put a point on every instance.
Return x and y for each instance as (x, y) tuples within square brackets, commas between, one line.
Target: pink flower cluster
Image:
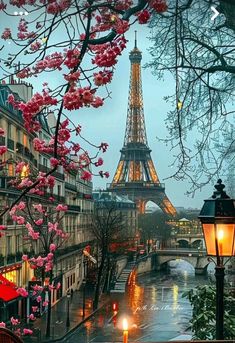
[(76, 98), (143, 17), (56, 6), (159, 5), (103, 77), (33, 107), (6, 34), (106, 54)]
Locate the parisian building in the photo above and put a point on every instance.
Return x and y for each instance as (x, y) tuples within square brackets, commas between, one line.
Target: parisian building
[(69, 189), (123, 205)]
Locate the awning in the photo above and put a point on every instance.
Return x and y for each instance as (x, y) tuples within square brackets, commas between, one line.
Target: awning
[(7, 290)]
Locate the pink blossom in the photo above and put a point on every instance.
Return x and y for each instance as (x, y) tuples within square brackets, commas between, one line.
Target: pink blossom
[(103, 147), (22, 291), (38, 207), (24, 257), (14, 321), (86, 175), (39, 222), (99, 162), (3, 227), (61, 207), (3, 149), (54, 162), (27, 332), (39, 299), (2, 6), (58, 285), (2, 132), (52, 247), (34, 308), (6, 33), (2, 325), (45, 303), (143, 16), (32, 316)]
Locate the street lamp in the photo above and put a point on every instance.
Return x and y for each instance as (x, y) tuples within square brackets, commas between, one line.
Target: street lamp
[(218, 223), (68, 295), (85, 267)]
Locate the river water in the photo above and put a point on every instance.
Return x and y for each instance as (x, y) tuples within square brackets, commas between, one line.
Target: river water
[(153, 306)]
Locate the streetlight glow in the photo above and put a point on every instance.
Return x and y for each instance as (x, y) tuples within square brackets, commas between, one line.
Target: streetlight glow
[(218, 222)]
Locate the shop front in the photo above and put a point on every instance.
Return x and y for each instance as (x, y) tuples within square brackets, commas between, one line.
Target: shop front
[(10, 301)]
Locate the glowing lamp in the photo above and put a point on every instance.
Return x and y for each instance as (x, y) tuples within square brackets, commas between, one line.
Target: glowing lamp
[(218, 222), (125, 330)]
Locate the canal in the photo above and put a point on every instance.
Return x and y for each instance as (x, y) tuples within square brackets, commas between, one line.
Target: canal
[(153, 306)]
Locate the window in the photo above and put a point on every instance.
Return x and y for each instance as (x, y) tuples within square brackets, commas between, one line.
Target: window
[(8, 244), (59, 190), (18, 136), (25, 141), (9, 130), (44, 161), (17, 243), (10, 169)]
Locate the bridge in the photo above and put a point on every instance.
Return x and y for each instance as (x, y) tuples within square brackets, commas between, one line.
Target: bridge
[(158, 260)]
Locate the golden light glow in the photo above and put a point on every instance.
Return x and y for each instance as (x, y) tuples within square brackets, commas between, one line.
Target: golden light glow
[(179, 105), (220, 235), (152, 171), (118, 172), (125, 324), (24, 172), (175, 297)]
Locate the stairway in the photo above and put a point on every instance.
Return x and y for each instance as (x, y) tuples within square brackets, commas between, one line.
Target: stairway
[(120, 285)]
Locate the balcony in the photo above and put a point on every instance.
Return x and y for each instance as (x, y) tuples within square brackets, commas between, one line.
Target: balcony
[(74, 208), (70, 186), (56, 174)]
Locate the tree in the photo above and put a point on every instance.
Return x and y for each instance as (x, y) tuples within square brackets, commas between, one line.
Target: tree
[(108, 227), (154, 226), (199, 54), (203, 301), (44, 226), (82, 61)]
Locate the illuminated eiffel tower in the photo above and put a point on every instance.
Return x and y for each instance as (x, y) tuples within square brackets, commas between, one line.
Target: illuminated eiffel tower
[(136, 175)]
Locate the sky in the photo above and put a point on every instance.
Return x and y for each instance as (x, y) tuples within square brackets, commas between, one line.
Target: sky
[(107, 123)]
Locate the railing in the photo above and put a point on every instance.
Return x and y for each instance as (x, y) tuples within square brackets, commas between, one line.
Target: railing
[(75, 208), (136, 184), (70, 186), (56, 174)]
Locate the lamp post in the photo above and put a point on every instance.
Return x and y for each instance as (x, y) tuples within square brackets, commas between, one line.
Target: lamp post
[(84, 287), (68, 295), (218, 223)]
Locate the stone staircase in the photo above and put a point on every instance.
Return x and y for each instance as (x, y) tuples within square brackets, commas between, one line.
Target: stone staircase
[(120, 285)]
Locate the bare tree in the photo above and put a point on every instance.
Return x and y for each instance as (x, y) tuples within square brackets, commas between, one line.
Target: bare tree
[(199, 53), (108, 227)]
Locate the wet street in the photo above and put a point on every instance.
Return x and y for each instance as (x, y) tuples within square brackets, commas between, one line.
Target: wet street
[(153, 306)]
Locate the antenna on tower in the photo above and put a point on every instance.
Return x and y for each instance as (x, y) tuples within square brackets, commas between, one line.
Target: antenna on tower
[(135, 39)]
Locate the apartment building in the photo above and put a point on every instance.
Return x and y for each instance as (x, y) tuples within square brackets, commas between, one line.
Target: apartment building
[(69, 189)]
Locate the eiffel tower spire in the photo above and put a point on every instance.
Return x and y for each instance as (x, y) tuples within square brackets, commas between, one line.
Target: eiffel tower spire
[(136, 175), (135, 125)]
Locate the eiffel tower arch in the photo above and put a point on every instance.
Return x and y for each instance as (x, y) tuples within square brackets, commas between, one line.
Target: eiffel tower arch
[(136, 175)]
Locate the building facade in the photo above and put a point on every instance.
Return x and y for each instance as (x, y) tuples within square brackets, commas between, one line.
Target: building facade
[(69, 189), (186, 234)]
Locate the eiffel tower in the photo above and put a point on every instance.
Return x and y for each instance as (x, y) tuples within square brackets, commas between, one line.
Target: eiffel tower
[(136, 175)]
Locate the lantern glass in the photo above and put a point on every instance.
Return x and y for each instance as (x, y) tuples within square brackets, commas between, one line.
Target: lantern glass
[(223, 234)]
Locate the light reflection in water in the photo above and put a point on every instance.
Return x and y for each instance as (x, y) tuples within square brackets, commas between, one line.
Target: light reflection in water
[(175, 297)]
